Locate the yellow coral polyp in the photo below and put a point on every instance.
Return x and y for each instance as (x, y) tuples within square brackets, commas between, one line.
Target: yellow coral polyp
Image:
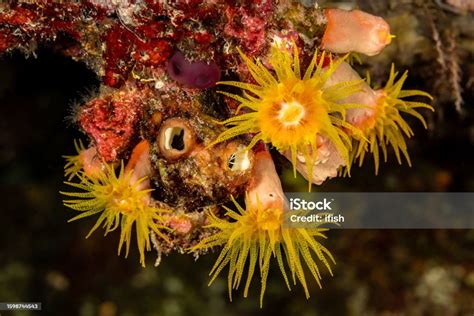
[(387, 127), (120, 204), (288, 109), (74, 163), (253, 237)]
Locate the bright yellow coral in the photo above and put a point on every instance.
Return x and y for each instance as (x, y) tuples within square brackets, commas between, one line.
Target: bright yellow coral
[(387, 126), (288, 109), (120, 204), (253, 237), (74, 163)]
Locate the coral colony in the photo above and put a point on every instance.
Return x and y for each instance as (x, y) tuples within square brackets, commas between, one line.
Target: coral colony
[(194, 94)]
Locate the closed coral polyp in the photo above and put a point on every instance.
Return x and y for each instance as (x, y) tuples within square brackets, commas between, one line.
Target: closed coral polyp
[(327, 164), (355, 31), (139, 165)]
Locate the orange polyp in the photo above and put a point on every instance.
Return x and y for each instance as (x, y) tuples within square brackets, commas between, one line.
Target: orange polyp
[(385, 37), (380, 123), (122, 204)]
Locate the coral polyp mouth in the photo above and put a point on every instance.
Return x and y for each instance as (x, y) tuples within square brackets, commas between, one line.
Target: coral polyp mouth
[(291, 113), (270, 219)]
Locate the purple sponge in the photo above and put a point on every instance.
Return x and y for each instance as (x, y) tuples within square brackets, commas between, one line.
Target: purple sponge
[(198, 74)]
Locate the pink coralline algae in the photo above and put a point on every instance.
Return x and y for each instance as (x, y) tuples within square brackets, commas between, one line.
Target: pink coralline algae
[(111, 121), (249, 26), (124, 49)]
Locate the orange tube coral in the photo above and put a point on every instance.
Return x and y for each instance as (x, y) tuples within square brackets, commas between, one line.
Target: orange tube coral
[(355, 31), (123, 201), (380, 123)]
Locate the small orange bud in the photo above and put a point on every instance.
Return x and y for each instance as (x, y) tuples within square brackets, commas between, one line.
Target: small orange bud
[(355, 31)]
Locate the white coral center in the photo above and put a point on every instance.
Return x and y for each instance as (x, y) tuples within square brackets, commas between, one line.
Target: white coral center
[(291, 113)]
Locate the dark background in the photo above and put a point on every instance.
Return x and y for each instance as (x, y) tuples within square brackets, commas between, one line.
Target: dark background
[(44, 259)]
